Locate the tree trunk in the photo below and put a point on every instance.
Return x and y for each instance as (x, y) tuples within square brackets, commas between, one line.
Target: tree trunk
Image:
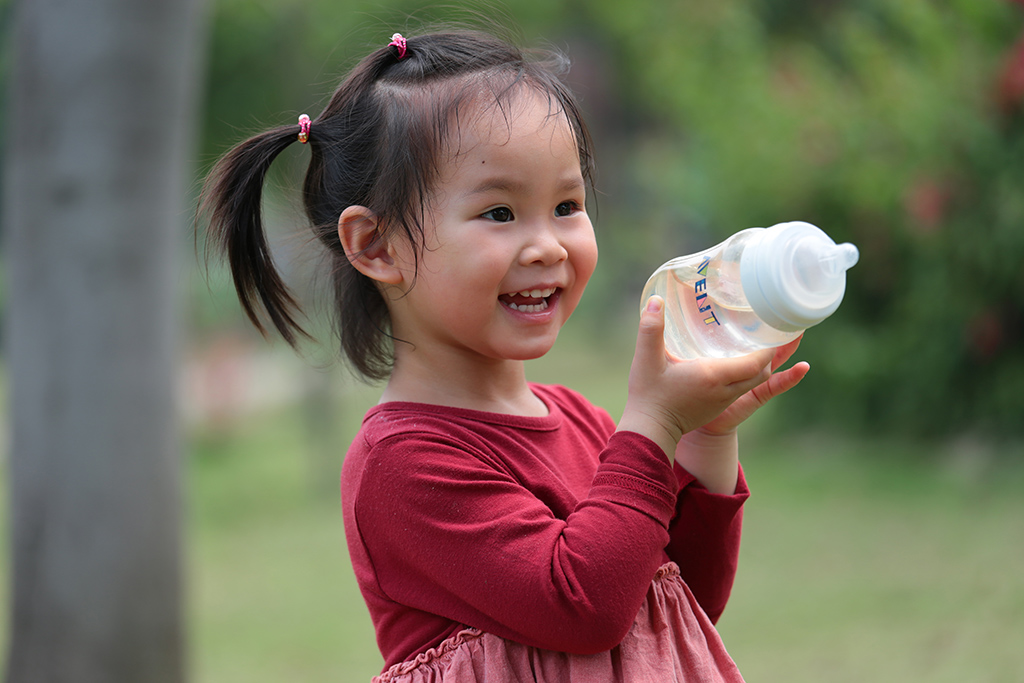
[(102, 96)]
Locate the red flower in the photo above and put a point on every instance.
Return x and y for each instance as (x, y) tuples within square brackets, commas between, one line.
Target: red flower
[(926, 201), (1010, 89), (986, 333)]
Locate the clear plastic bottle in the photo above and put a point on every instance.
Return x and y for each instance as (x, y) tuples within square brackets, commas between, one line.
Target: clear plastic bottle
[(760, 288)]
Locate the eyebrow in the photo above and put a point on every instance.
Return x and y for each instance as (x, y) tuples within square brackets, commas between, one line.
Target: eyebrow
[(511, 186)]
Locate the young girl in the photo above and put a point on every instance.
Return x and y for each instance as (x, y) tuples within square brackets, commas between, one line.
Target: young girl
[(500, 530)]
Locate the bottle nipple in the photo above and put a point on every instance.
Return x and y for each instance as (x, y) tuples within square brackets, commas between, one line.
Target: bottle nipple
[(795, 275), (839, 259)]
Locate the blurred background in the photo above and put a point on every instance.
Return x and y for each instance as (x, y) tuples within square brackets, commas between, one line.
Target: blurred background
[(885, 537)]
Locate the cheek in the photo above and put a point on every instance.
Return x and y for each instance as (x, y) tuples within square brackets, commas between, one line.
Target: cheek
[(585, 257)]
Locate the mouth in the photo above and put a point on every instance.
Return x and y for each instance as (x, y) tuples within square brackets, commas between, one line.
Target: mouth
[(531, 300)]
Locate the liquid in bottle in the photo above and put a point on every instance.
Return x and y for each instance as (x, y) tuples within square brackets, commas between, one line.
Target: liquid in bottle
[(760, 288)]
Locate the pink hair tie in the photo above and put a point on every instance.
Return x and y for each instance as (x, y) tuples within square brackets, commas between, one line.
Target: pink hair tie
[(304, 124), (398, 41)]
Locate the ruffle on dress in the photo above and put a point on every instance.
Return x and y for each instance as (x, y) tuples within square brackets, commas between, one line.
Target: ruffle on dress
[(670, 640)]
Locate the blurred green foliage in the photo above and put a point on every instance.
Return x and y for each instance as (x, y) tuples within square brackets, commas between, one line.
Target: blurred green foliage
[(882, 121)]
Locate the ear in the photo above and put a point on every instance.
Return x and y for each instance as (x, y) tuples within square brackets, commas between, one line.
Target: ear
[(366, 248)]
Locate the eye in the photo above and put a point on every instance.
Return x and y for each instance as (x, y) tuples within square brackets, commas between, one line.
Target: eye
[(566, 209), (501, 214)]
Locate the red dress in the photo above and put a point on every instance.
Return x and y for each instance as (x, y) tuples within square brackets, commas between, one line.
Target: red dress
[(472, 533)]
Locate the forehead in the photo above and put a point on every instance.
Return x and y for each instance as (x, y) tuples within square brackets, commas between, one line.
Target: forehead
[(528, 123)]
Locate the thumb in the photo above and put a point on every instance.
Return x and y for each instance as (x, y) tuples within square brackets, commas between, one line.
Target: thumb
[(650, 342)]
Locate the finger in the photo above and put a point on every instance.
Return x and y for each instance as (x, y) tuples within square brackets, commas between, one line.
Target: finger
[(781, 382), (785, 352), (791, 377), (752, 368), (650, 341), (751, 384)]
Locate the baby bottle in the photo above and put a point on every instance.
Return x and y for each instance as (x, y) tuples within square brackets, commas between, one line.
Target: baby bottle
[(760, 288)]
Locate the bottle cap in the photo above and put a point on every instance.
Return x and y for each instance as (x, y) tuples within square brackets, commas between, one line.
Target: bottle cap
[(794, 275)]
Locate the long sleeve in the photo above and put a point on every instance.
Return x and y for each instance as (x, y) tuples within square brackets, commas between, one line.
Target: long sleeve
[(705, 540), (451, 531), (544, 531)]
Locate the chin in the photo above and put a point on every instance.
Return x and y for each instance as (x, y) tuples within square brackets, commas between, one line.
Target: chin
[(532, 352)]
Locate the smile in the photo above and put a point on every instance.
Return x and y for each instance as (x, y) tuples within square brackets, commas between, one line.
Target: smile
[(528, 301)]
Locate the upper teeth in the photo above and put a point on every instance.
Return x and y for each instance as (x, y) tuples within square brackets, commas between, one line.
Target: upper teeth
[(538, 293)]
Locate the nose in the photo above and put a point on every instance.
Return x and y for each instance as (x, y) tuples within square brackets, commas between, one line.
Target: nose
[(544, 247)]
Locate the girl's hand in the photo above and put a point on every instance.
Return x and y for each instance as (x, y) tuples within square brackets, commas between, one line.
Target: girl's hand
[(777, 383), (711, 452), (669, 397)]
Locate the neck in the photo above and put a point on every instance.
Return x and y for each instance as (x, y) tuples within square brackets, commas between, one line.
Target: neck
[(497, 386)]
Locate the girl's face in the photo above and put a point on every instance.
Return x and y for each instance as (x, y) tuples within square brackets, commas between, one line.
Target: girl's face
[(509, 247)]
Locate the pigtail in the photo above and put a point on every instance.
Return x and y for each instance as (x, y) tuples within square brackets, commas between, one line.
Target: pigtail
[(232, 198)]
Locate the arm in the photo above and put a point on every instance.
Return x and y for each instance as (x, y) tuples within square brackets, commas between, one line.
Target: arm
[(450, 532), (721, 395), (705, 540)]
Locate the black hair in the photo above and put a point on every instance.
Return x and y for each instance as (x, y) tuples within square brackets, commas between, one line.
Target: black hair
[(379, 143)]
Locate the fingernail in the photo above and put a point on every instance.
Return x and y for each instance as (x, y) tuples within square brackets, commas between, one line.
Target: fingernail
[(654, 304)]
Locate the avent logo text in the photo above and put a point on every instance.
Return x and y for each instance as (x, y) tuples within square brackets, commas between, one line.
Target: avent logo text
[(703, 305)]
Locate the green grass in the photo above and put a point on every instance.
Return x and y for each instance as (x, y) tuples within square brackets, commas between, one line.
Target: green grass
[(871, 562), (272, 593), (863, 560)]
